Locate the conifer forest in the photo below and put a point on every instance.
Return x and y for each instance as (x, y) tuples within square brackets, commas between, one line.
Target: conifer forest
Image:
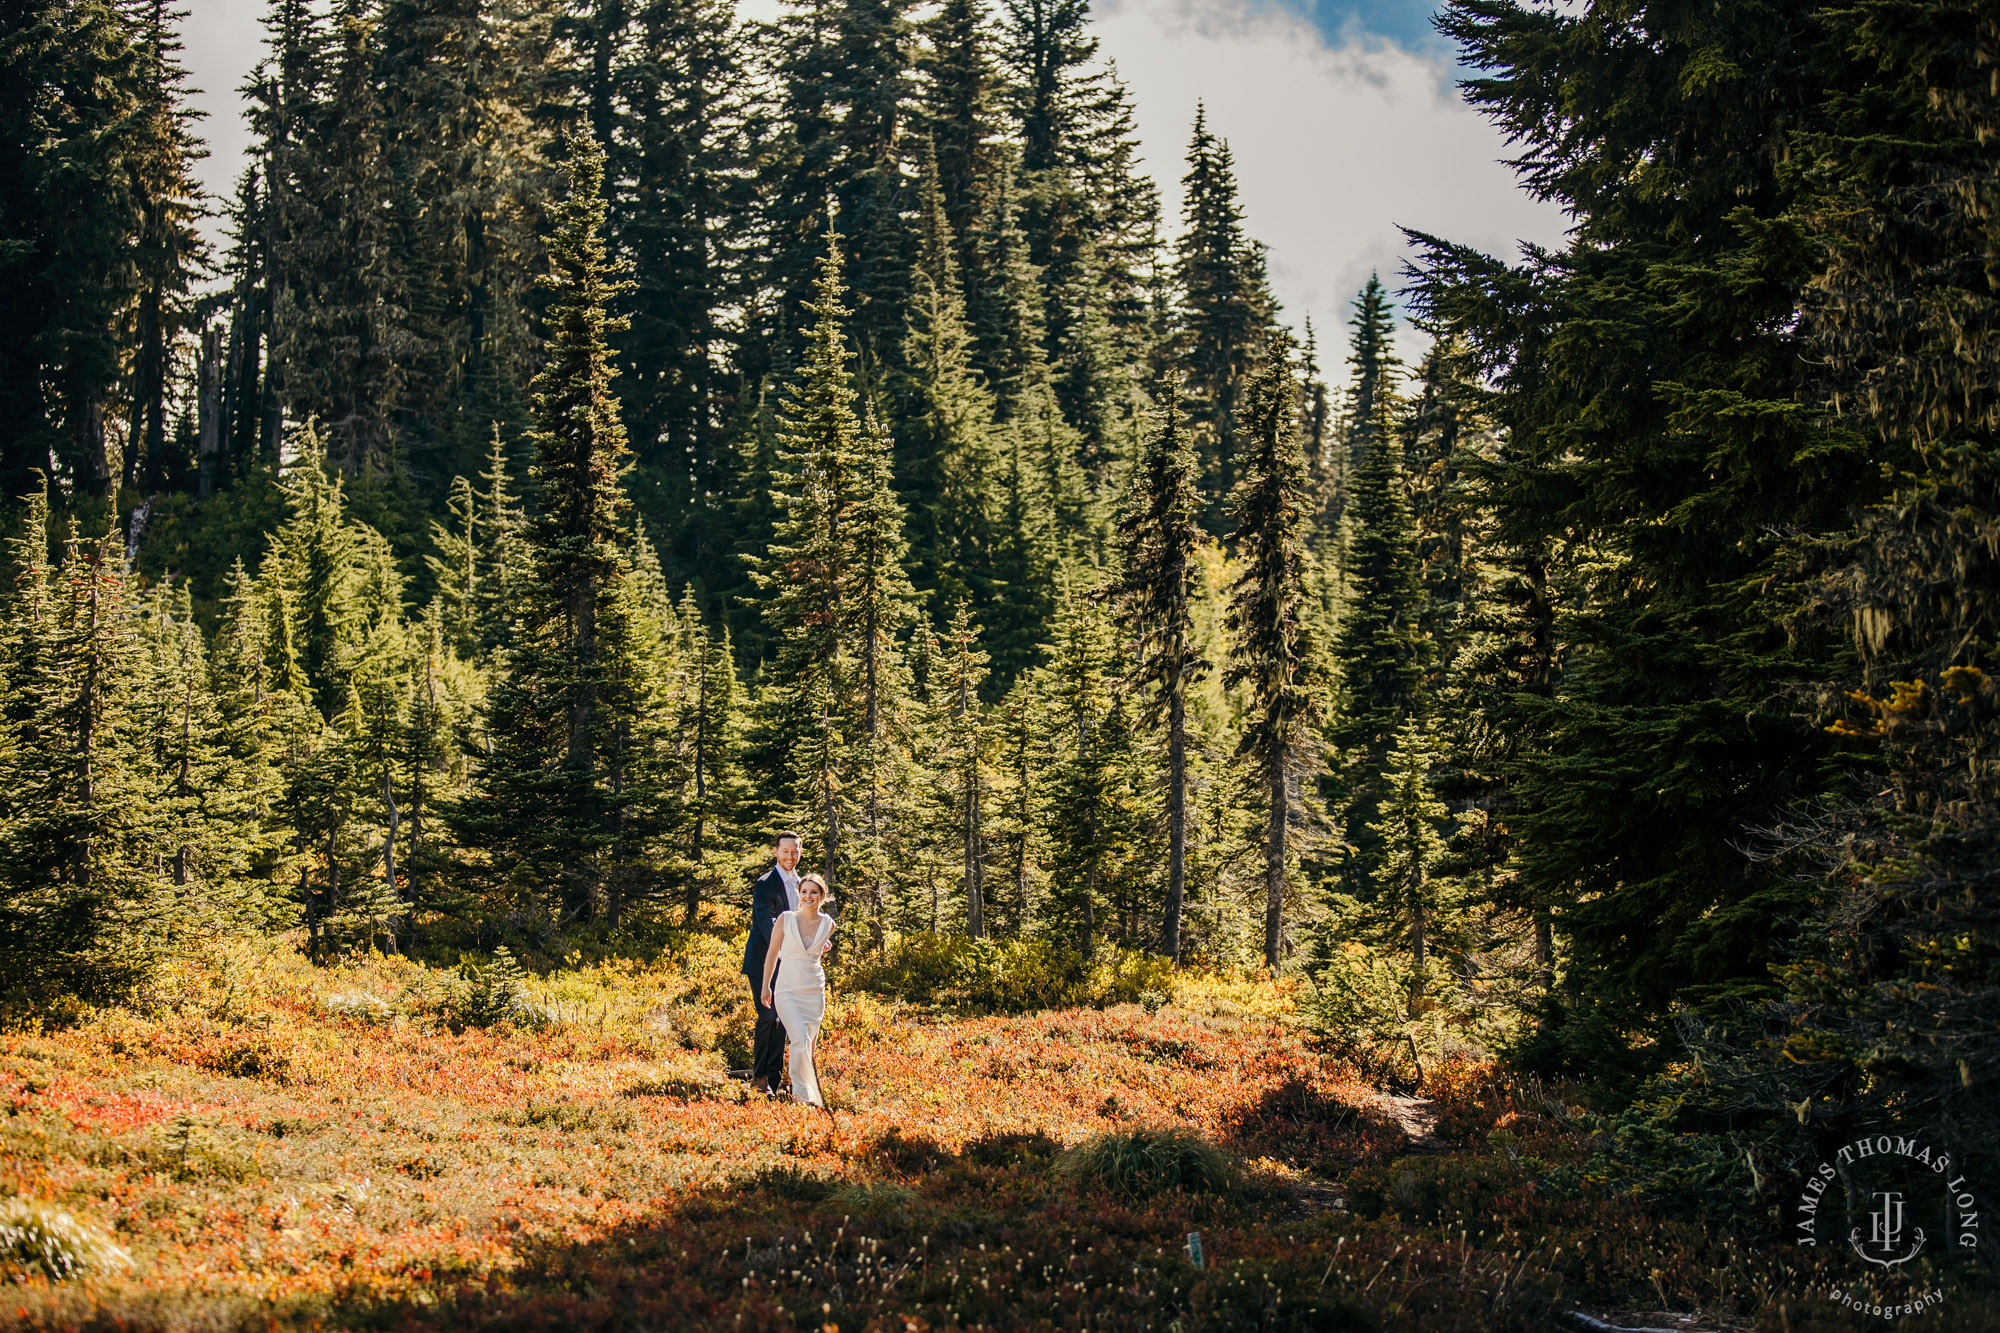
[(1472, 828)]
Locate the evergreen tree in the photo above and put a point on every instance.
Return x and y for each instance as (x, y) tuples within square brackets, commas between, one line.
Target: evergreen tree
[(85, 908), (1084, 825), (1162, 577), (1223, 323), (168, 249), (455, 569), (679, 204), (961, 674), (1381, 650), (1020, 771), (1272, 650), (961, 117), (947, 443), (549, 804), (1887, 1017), (1406, 886), (200, 797), (98, 208), (711, 726), (341, 335), (315, 569), (847, 93), (837, 594), (1656, 424)]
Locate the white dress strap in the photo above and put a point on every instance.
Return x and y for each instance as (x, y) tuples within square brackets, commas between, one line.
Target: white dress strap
[(791, 920)]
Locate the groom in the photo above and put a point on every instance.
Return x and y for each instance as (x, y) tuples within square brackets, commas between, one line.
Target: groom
[(776, 891)]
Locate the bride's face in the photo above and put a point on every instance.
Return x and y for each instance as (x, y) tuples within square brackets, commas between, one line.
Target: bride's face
[(811, 895)]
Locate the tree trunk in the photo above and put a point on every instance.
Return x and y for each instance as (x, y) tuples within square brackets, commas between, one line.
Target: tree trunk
[(975, 908), (700, 786), (209, 409), (389, 841), (1419, 936), (1274, 857), (1170, 929)]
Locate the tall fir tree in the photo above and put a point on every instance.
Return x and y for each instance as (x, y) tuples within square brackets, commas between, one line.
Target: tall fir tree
[(1225, 310), (836, 596), (948, 460), (1162, 578), (1381, 649), (961, 674), (1273, 648), (549, 807), (1652, 402)]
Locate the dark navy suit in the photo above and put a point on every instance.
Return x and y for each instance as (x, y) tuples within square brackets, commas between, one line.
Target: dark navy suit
[(767, 900)]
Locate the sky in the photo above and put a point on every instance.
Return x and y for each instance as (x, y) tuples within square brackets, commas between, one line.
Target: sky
[(1342, 114)]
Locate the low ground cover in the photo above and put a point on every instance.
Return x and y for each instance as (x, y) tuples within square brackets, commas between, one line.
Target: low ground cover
[(272, 1145)]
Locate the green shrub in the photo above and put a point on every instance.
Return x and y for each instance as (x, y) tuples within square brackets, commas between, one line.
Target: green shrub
[(1012, 976), (35, 1239), (491, 993), (1143, 1163)]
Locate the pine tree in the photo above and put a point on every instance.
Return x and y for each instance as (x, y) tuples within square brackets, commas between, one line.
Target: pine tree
[(457, 87), (1021, 770), (961, 111), (1162, 578), (341, 324), (681, 196), (1272, 648), (504, 569), (547, 805), (200, 798), (85, 908), (711, 726), (314, 570), (455, 569), (99, 211), (1225, 309), (947, 441), (1381, 649), (169, 250), (1886, 1020), (1083, 828), (962, 673), (1407, 886), (1653, 398), (847, 94), (837, 595)]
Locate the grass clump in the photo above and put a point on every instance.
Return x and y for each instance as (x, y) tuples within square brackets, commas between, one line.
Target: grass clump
[(359, 1007), (1146, 1163), (35, 1239)]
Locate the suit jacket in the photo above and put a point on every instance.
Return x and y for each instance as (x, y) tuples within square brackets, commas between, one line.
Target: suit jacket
[(767, 901)]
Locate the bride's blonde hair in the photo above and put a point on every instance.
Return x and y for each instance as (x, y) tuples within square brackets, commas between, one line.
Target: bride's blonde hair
[(815, 879)]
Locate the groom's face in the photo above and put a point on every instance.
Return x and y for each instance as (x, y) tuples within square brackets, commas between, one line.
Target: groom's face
[(788, 854)]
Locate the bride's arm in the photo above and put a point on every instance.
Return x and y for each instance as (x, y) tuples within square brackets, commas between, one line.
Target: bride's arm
[(771, 956)]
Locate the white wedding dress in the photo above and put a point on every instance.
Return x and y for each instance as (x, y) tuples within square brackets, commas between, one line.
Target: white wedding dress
[(799, 996)]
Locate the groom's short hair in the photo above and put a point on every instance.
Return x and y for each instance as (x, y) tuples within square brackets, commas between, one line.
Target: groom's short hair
[(787, 833)]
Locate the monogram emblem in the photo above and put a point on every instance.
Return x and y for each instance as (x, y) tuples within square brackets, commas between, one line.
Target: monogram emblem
[(1885, 1233)]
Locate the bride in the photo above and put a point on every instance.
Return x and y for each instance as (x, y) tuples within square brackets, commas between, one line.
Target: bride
[(798, 942)]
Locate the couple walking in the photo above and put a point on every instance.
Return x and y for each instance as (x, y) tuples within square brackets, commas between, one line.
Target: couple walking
[(789, 933)]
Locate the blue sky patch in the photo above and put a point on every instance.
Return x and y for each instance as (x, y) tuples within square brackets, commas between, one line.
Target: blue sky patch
[(1406, 22)]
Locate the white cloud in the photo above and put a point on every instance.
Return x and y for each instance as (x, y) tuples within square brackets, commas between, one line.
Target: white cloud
[(1337, 143)]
